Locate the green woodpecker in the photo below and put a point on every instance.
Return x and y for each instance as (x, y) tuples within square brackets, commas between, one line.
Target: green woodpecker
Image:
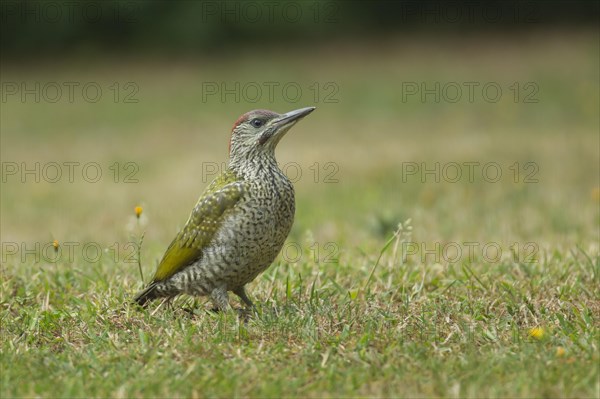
[(240, 222)]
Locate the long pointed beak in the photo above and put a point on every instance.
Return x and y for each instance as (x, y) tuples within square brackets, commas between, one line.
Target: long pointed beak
[(281, 125), (293, 116)]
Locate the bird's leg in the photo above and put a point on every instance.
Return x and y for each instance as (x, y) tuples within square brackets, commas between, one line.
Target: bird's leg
[(220, 299), (241, 292), (190, 310)]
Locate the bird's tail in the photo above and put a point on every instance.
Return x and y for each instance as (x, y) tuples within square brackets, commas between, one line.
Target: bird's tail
[(148, 294)]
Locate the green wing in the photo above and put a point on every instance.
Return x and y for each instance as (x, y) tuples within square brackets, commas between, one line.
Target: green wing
[(206, 217)]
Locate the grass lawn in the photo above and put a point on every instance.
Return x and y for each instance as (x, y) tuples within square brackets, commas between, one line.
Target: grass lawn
[(413, 268)]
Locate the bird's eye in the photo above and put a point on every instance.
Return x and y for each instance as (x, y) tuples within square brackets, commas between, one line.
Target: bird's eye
[(256, 122)]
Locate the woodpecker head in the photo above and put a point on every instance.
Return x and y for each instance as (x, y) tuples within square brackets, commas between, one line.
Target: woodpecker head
[(256, 133)]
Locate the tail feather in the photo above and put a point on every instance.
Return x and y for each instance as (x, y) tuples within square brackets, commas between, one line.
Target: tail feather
[(148, 294)]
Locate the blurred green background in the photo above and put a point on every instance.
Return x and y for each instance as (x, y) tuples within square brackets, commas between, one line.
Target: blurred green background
[(159, 84), (33, 28)]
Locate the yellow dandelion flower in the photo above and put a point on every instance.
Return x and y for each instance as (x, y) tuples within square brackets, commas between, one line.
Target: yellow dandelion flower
[(596, 194), (560, 351), (138, 211), (55, 245), (537, 333)]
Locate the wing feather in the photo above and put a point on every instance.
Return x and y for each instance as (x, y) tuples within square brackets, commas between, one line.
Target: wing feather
[(220, 197)]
